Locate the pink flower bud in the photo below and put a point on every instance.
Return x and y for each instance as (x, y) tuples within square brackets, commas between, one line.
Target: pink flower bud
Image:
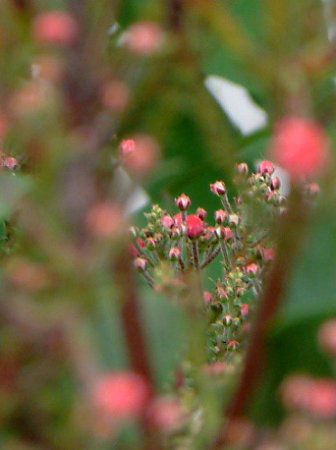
[(228, 233), (233, 345), (221, 216), (233, 219), (150, 243), (222, 293), (127, 146), (218, 188), (252, 269), (267, 254), (327, 337), (244, 310), (201, 213), (174, 253), (55, 27), (120, 395), (266, 168), (140, 264), (144, 38), (300, 146), (10, 162), (275, 183), (217, 368), (242, 168), (167, 222), (183, 202), (207, 297)]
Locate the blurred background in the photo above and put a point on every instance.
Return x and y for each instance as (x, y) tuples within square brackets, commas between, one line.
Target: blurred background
[(198, 85)]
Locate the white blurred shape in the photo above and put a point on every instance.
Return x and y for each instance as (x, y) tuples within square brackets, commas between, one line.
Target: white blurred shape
[(136, 197), (237, 103)]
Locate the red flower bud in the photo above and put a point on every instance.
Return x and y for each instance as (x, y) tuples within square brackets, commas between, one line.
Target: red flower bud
[(183, 202), (218, 188), (244, 310), (207, 297), (195, 226), (275, 183), (252, 269), (127, 146)]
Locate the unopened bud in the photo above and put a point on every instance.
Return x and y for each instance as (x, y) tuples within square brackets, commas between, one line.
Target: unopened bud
[(252, 269), (10, 162), (218, 188), (221, 216), (167, 221), (150, 243), (201, 213), (183, 202), (207, 297), (174, 253), (127, 146), (242, 168), (233, 219), (227, 319), (275, 183), (222, 293), (266, 168)]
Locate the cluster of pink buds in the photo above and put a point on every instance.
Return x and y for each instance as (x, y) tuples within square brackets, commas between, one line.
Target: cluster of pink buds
[(191, 241)]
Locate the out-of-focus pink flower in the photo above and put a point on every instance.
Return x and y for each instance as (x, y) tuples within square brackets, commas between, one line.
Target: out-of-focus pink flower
[(217, 368), (267, 254), (28, 99), (166, 414), (140, 154), (120, 395), (115, 95), (327, 337), (144, 38), (300, 146), (105, 220), (27, 275), (55, 27), (316, 397)]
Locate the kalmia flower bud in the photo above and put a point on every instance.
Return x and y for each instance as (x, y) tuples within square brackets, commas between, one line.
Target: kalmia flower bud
[(244, 310), (267, 254), (167, 221), (150, 243), (207, 297), (221, 216), (233, 345), (242, 168), (127, 146), (140, 264), (174, 253), (275, 183), (266, 168), (218, 188), (10, 162), (252, 269), (201, 213), (227, 319), (233, 219), (183, 202), (228, 233), (222, 293)]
